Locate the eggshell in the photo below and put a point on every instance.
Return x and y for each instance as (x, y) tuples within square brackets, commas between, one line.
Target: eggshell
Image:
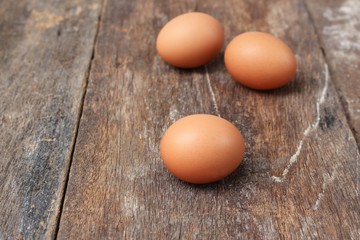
[(202, 148), (259, 60), (190, 40)]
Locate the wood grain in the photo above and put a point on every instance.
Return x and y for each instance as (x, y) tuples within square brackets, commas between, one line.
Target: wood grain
[(338, 27), (45, 50), (297, 181)]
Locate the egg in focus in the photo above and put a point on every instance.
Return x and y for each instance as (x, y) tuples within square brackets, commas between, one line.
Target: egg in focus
[(202, 148), (260, 61), (190, 40)]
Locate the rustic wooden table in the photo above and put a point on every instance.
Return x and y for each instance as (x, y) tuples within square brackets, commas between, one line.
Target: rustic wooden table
[(85, 99)]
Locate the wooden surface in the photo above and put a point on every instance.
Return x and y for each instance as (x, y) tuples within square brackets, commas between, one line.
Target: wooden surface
[(45, 53), (85, 99), (338, 28)]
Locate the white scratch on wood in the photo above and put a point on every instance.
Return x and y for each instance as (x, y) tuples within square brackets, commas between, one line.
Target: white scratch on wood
[(312, 127), (130, 205), (173, 114), (48, 140), (212, 92), (327, 180), (354, 110), (40, 21)]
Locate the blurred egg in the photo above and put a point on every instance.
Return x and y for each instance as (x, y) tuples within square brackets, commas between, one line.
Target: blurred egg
[(260, 61), (190, 40), (202, 148)]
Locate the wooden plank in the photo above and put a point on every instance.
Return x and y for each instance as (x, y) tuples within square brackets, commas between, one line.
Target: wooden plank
[(338, 27), (298, 178), (45, 50)]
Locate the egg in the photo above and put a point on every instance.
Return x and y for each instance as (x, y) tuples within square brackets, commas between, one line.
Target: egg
[(260, 61), (202, 148), (190, 40)]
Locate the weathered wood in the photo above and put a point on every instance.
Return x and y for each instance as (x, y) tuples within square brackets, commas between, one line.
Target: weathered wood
[(338, 27), (297, 181), (45, 51)]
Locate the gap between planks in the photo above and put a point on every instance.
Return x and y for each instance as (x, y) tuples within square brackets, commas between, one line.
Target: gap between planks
[(79, 116)]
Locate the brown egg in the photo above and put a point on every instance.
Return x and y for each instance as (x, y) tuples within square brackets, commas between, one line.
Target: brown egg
[(260, 61), (202, 148), (190, 40)]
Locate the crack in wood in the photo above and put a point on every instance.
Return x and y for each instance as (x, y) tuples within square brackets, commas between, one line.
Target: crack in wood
[(312, 127)]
